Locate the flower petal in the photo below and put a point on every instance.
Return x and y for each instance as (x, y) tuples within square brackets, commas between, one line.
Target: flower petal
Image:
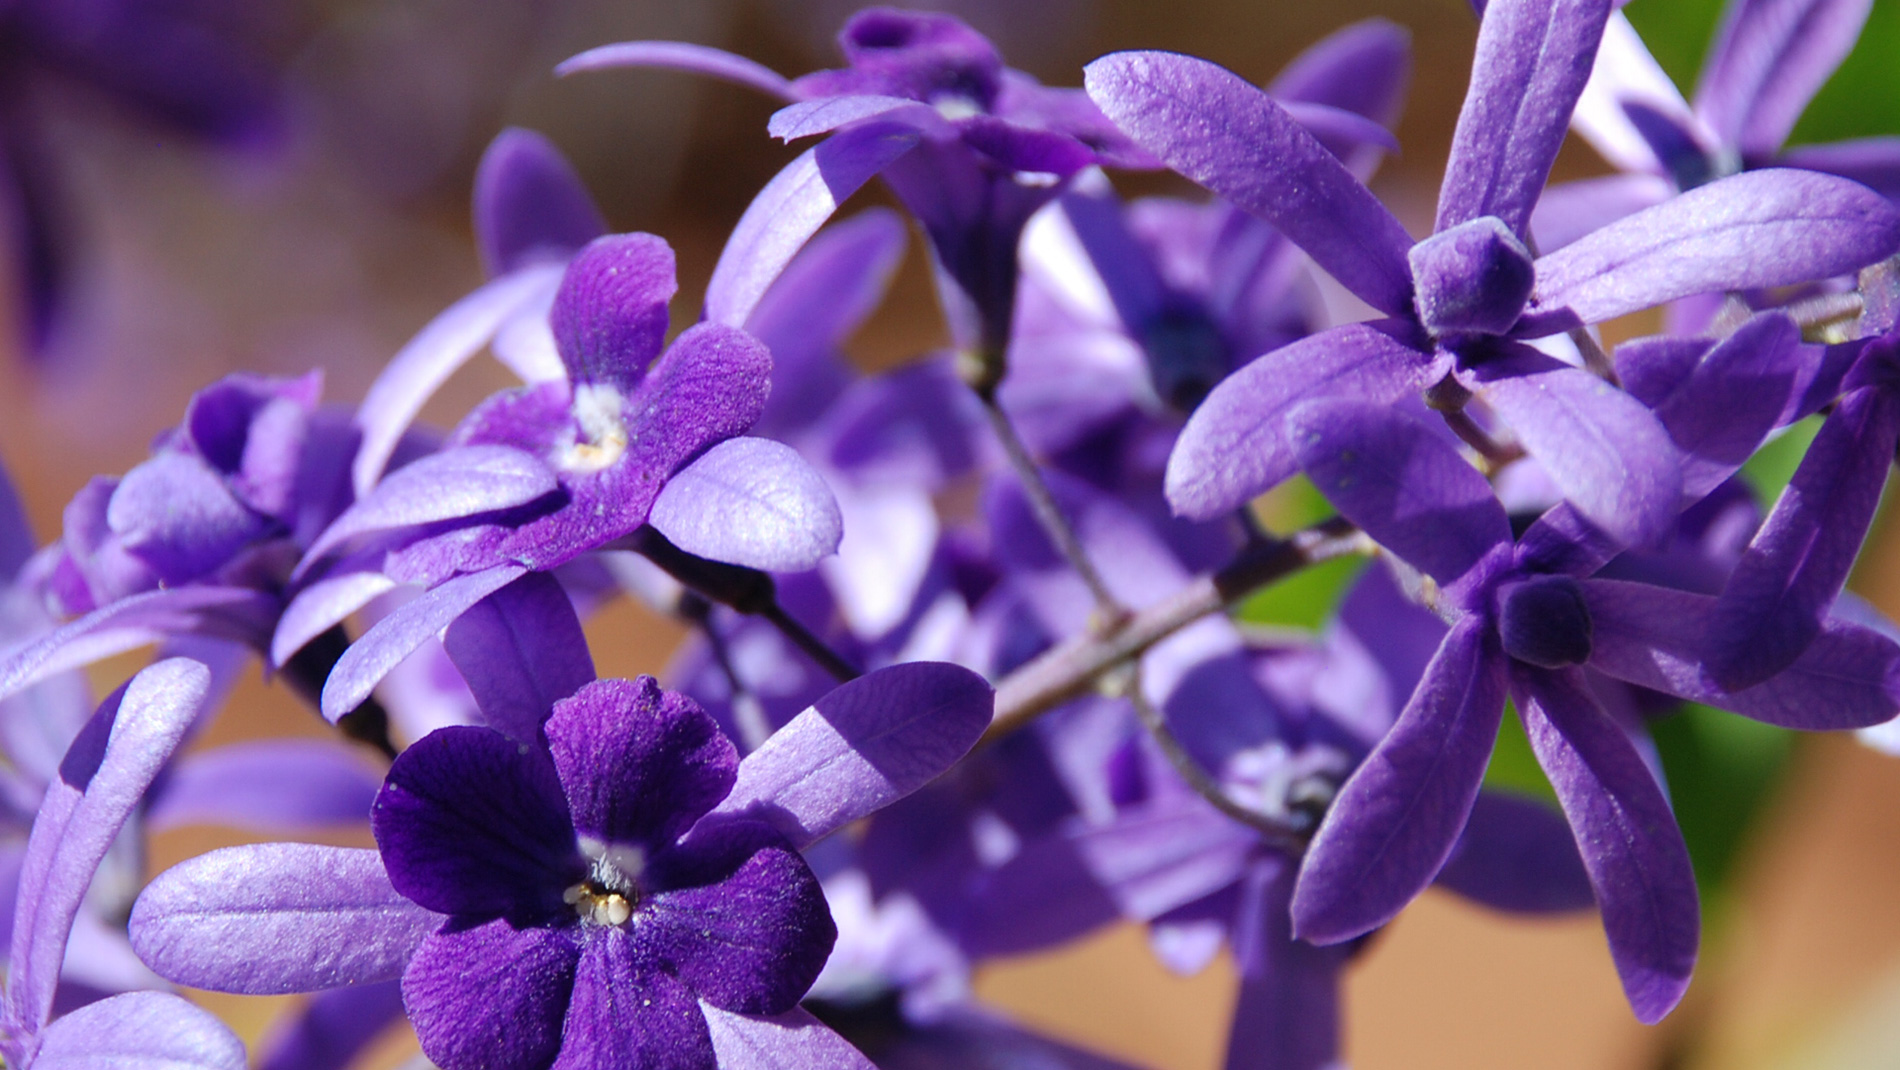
[(1517, 854), (101, 781), (491, 995), (457, 483), (529, 203), (332, 1028), (1398, 817), (1533, 59), (1768, 60), (791, 208), (751, 502), (1625, 73), (1211, 125), (267, 785), (521, 650), (1235, 446), (625, 1012), (1758, 229), (609, 316), (679, 55), (791, 1041), (863, 746), (278, 917), (152, 616), (1849, 676), (393, 638), (1779, 595), (1607, 453), (1401, 482), (1631, 846), (139, 1031), (638, 764)]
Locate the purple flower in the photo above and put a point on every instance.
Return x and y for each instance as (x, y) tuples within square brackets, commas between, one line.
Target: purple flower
[(1768, 60), (970, 146), (1527, 619), (1461, 300), (631, 894), (537, 476)]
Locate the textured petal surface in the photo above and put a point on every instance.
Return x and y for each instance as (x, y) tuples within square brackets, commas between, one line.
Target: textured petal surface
[(325, 604), (101, 780), (751, 502), (1209, 124), (1631, 846), (1533, 59), (863, 746), (1787, 580), (626, 1013), (278, 917), (1761, 228), (1401, 482), (1398, 818), (470, 822), (521, 650), (609, 316), (791, 208), (450, 485), (140, 1031), (1607, 453), (1235, 446), (1849, 676), (1732, 399), (220, 612), (639, 764), (751, 941), (491, 996)]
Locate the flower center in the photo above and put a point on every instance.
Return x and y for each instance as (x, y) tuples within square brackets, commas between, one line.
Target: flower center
[(601, 437), (611, 891)]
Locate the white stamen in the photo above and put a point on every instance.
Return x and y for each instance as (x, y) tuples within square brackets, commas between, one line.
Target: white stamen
[(602, 439), (954, 107)]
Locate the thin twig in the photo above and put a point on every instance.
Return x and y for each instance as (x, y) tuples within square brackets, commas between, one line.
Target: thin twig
[(1054, 524), (1595, 360), (1496, 454), (1282, 836), (815, 648), (1071, 669)]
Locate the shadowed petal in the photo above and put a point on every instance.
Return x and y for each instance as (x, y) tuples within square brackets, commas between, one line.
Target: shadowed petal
[(16, 535), (1286, 1016), (278, 917), (1631, 846), (1871, 161), (1211, 125), (529, 203), (790, 1041), (175, 513), (825, 114), (268, 785), (639, 764), (627, 1013), (1362, 68), (1533, 59), (791, 208), (678, 55), (1849, 676), (1768, 60), (101, 780), (1235, 446), (139, 1031), (327, 603), (491, 995), (329, 1031), (1166, 855), (422, 365), (1398, 817), (1403, 484), (470, 822), (752, 941), (1762, 228), (1569, 210), (1606, 452), (751, 502), (521, 650), (863, 746), (1788, 578), (1517, 854), (393, 638), (1731, 399)]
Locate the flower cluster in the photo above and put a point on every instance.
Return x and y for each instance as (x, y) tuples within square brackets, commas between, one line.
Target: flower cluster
[(966, 676)]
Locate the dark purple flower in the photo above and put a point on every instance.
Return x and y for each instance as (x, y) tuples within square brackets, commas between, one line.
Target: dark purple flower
[(1461, 300), (629, 894), (1527, 619)]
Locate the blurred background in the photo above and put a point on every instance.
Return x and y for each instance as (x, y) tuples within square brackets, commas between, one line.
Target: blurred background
[(333, 226)]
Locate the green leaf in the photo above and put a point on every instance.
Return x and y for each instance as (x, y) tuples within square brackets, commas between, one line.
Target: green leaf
[(1722, 769)]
